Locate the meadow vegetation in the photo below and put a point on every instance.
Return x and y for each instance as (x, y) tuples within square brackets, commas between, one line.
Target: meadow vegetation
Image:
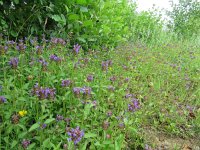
[(96, 74)]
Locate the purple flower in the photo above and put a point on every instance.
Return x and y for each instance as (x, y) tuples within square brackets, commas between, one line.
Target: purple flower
[(75, 135), (129, 96), (67, 120), (134, 105), (121, 125), (106, 124), (2, 99), (3, 49), (94, 103), (44, 93), (86, 90), (76, 48), (25, 143), (59, 117), (66, 83), (21, 47), (77, 91), (44, 64), (56, 41), (14, 62), (90, 78), (39, 49), (113, 78), (111, 88), (44, 126), (109, 113), (104, 66), (55, 58)]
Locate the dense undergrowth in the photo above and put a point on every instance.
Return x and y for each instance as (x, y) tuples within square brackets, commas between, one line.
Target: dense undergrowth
[(112, 74)]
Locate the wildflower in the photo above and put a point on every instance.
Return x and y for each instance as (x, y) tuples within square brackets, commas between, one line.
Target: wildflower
[(126, 80), (77, 91), (113, 78), (111, 88), (90, 78), (67, 120), (76, 135), (25, 143), (21, 47), (59, 117), (76, 48), (121, 125), (45, 93), (65, 146), (86, 91), (66, 83), (105, 125), (44, 64), (134, 105), (129, 96), (22, 113), (109, 113), (94, 103), (3, 49), (15, 118), (39, 49), (108, 136), (34, 41), (14, 62), (2, 99), (104, 66), (55, 58), (42, 126)]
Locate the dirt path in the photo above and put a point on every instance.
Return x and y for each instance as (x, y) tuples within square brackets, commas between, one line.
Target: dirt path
[(161, 141)]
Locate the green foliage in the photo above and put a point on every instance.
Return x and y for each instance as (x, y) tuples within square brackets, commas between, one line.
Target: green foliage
[(89, 22), (186, 18)]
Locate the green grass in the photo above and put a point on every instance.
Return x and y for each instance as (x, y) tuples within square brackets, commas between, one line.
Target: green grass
[(163, 79)]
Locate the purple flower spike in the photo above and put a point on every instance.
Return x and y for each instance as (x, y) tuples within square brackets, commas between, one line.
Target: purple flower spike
[(90, 78), (134, 105), (66, 83), (75, 135), (86, 91), (59, 118), (25, 143), (2, 99), (55, 58), (14, 62), (76, 48), (77, 91)]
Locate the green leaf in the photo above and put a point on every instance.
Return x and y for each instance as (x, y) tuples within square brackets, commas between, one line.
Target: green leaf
[(87, 110), (49, 120), (46, 143), (33, 127), (14, 143), (84, 9), (57, 18), (31, 146), (90, 135), (88, 23), (81, 39), (16, 1), (81, 2), (73, 17)]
